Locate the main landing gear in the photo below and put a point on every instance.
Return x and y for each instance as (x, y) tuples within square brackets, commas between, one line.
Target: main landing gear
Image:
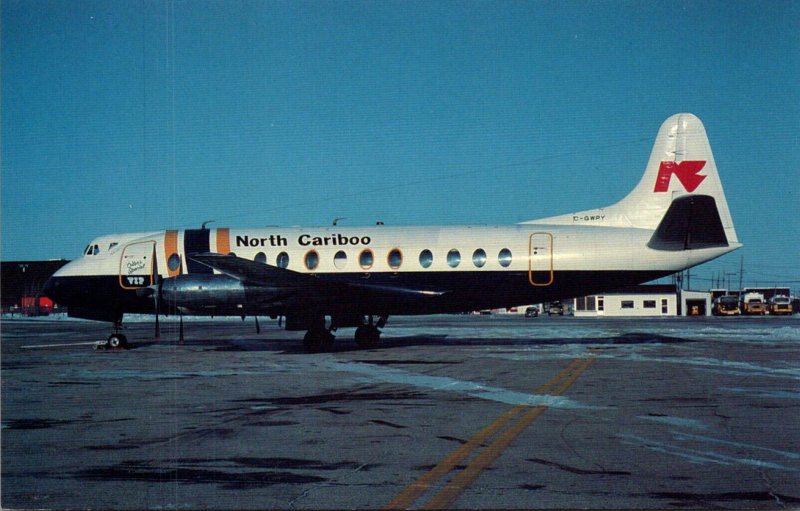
[(368, 334), (320, 338)]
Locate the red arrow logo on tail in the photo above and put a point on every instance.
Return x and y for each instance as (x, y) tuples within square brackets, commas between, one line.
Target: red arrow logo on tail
[(686, 172)]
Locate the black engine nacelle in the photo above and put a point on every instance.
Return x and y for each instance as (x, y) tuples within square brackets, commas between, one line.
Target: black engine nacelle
[(201, 292)]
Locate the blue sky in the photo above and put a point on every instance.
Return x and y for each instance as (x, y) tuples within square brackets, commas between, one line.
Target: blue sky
[(143, 115)]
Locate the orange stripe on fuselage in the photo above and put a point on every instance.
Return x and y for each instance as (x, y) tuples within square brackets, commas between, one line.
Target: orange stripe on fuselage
[(171, 247), (223, 241)]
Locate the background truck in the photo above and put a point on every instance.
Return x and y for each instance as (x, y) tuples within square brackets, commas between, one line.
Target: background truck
[(753, 304), (727, 305), (780, 305)]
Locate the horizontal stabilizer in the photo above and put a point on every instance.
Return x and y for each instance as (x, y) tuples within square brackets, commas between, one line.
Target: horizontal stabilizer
[(691, 222)]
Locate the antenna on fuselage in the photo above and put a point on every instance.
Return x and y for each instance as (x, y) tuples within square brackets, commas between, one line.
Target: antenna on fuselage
[(336, 220), (207, 222)]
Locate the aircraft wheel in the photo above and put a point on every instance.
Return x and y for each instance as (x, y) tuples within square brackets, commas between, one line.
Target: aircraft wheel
[(117, 341), (367, 336), (309, 341), (317, 341)]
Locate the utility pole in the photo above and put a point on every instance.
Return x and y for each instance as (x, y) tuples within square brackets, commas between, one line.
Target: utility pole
[(741, 271), (728, 275)]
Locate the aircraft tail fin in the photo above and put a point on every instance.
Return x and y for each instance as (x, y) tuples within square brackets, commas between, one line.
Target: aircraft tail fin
[(681, 164)]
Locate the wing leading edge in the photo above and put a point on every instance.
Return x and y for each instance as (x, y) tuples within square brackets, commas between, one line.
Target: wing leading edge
[(264, 275)]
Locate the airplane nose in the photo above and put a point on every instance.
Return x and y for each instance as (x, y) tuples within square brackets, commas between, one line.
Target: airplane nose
[(55, 287), (50, 289)]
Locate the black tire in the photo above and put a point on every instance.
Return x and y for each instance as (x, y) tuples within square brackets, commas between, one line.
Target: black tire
[(316, 342), (310, 342), (117, 341), (367, 336)]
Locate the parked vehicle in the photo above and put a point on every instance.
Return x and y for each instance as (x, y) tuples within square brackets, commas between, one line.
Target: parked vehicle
[(726, 306), (753, 304), (780, 305), (532, 312), (555, 308)]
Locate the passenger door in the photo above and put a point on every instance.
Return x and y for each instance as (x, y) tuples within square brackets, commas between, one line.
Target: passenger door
[(136, 265), (540, 259)]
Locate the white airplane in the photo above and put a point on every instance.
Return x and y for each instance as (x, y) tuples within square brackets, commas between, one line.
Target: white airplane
[(324, 278)]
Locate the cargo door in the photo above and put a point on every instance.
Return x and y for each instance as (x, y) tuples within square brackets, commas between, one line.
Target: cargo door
[(136, 265), (540, 259)]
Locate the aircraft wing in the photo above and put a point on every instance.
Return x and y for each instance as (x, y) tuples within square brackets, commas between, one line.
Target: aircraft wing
[(252, 272), (262, 274)]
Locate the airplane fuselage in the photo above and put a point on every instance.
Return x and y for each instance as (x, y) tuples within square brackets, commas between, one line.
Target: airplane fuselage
[(469, 267)]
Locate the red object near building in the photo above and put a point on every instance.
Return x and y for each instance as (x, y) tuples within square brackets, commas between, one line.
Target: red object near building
[(30, 307)]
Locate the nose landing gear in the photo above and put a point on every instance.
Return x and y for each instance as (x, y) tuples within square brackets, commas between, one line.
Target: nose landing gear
[(115, 341)]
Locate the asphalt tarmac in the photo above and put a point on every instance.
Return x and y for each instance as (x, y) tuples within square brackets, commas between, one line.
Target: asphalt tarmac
[(449, 412)]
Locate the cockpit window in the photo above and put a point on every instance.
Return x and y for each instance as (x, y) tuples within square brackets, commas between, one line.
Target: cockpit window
[(100, 245)]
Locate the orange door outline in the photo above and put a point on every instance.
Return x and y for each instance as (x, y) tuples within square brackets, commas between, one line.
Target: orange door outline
[(540, 259), (136, 265)]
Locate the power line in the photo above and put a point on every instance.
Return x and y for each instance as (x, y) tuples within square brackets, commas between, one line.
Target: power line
[(425, 181)]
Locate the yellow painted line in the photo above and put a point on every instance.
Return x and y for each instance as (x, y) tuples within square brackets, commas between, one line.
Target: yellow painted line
[(413, 491), (418, 487), (464, 479)]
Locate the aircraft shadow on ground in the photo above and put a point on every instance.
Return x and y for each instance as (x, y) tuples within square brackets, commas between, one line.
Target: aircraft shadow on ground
[(345, 344)]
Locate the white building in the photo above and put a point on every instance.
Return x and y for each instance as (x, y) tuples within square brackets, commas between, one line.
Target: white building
[(644, 301), (654, 300)]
